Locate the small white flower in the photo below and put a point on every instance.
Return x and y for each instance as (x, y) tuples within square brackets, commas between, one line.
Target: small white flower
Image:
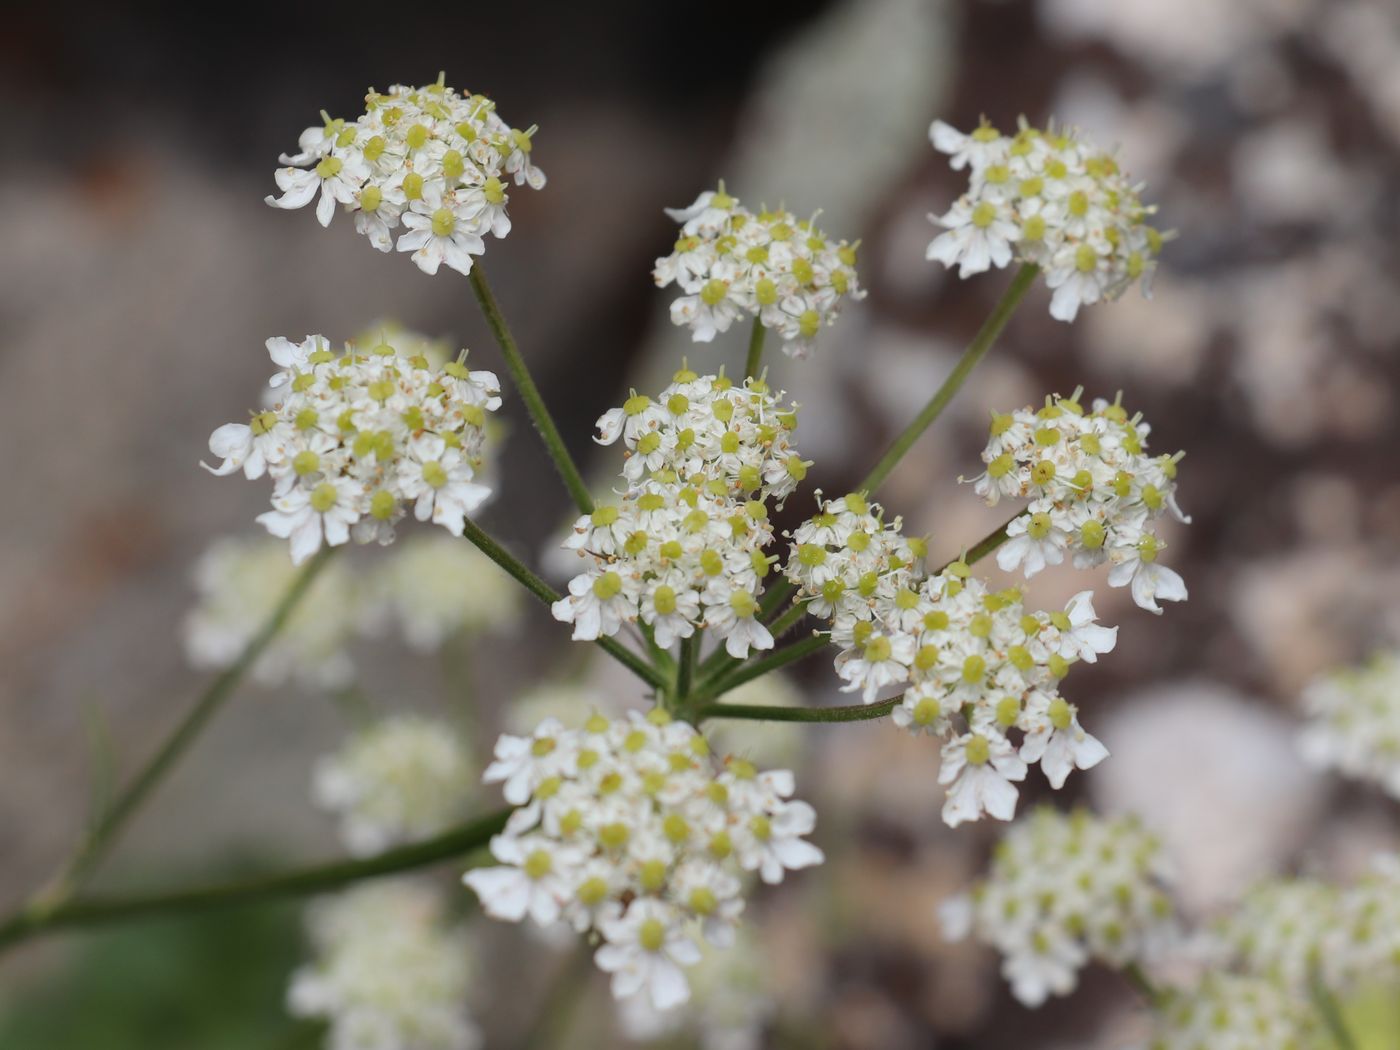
[(1061, 745), (533, 882), (1150, 581), (307, 517), (981, 771), (1084, 638), (645, 951), (440, 236)]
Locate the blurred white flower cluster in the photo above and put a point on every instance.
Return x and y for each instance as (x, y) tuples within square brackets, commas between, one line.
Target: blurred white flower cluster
[(684, 549), (631, 830), (1353, 722), (1065, 889), (239, 582), (1230, 1012), (974, 663), (353, 436), (403, 778), (429, 159), (773, 266), (390, 973), (1049, 198), (1092, 489), (437, 587), (1294, 931), (432, 588)]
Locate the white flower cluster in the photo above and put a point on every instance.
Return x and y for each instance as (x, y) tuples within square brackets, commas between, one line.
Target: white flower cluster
[(1278, 931), (429, 159), (974, 664), (436, 587), (1290, 930), (1065, 889), (1354, 722), (389, 973), (684, 547), (1048, 198), (773, 266), (1092, 490), (630, 829), (432, 587), (352, 437), (1230, 1012), (403, 778), (239, 582)]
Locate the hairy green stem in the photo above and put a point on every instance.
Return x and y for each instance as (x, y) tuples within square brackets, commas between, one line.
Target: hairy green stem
[(755, 358), (318, 878), (788, 620), (981, 343), (529, 393), (986, 545), (772, 713), (108, 824), (547, 594)]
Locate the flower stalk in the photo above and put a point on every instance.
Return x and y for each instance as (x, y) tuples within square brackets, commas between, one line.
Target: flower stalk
[(529, 392), (976, 350), (108, 825), (302, 882)]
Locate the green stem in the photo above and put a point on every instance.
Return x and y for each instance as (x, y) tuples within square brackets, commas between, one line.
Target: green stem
[(755, 357), (529, 393), (770, 713), (724, 682), (106, 829), (774, 597), (974, 353), (788, 620), (685, 666), (1331, 1013), (547, 594), (97, 910), (985, 545)]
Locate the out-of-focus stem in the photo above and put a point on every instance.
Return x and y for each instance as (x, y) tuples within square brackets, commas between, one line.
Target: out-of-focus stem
[(99, 910), (108, 825)]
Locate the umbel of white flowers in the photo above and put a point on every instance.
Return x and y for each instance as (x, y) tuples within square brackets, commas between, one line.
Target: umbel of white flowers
[(1091, 489), (427, 159), (631, 831), (352, 437), (1065, 889), (1050, 198), (431, 588), (975, 665), (389, 970), (772, 266), (684, 548), (1353, 722)]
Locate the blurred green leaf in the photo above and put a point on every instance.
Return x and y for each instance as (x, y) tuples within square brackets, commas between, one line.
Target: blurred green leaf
[(215, 982)]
